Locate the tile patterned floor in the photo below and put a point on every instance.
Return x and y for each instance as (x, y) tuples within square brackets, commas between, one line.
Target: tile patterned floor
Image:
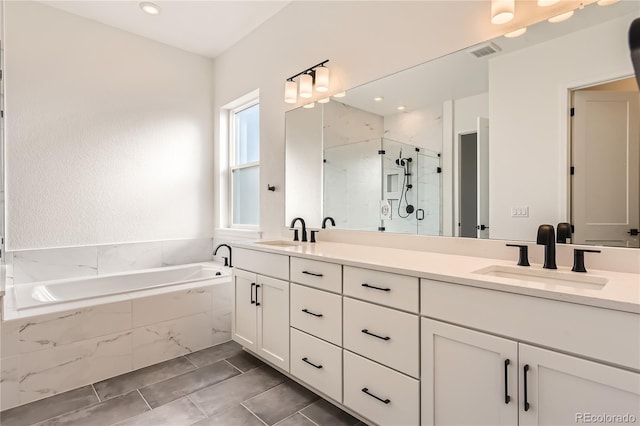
[(218, 386)]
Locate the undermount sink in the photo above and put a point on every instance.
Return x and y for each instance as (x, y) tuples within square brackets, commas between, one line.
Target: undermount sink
[(278, 243), (545, 276)]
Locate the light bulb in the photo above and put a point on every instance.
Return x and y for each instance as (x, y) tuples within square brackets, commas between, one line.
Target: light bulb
[(322, 79), (306, 86)]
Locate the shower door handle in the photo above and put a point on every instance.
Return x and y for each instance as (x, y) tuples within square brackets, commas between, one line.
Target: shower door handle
[(420, 214)]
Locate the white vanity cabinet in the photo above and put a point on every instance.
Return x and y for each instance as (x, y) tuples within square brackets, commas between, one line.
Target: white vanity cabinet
[(260, 320)]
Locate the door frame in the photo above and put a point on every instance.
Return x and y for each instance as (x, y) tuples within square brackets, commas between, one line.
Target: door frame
[(456, 177)]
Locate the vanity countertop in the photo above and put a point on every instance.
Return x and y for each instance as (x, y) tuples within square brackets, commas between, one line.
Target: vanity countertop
[(621, 291)]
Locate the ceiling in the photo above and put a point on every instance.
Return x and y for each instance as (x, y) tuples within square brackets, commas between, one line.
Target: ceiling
[(206, 28)]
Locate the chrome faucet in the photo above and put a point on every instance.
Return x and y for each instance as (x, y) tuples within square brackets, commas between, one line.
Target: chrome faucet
[(227, 262), (304, 229), (330, 219), (547, 238)]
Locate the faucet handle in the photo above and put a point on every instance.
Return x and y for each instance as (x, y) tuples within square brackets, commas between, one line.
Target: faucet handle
[(523, 258), (226, 260), (295, 235), (578, 259), (313, 235)]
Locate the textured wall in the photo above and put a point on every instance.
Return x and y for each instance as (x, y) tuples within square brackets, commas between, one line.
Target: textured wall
[(108, 135)]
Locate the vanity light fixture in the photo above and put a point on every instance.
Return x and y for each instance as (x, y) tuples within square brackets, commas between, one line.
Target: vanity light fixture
[(545, 3), (607, 2), (502, 11), (316, 77), (324, 100), (516, 33), (562, 17), (150, 8)]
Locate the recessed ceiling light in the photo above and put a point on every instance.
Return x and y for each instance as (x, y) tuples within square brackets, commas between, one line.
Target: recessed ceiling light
[(340, 95), (150, 8), (401, 108), (516, 33), (561, 17), (378, 98)]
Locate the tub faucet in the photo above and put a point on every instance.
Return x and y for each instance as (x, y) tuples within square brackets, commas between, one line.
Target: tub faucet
[(331, 221), (227, 262), (547, 238), (304, 229)]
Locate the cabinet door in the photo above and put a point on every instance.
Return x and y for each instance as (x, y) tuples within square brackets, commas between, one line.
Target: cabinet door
[(562, 390), (273, 321), (244, 313), (468, 377)]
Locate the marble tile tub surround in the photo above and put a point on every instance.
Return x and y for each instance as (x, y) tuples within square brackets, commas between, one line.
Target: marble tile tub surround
[(69, 262), (44, 355)]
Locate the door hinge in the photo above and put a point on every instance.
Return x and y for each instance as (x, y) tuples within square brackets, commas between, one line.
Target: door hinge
[(572, 170), (572, 111), (381, 151)]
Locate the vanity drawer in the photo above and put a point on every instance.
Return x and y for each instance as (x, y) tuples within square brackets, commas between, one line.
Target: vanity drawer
[(397, 291), (317, 363), (385, 335), (317, 312), (327, 276), (380, 394), (269, 264)]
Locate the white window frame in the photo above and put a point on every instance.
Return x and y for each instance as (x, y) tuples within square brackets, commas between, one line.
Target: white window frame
[(228, 140)]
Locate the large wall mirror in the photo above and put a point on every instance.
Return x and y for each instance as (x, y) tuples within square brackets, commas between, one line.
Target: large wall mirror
[(487, 142)]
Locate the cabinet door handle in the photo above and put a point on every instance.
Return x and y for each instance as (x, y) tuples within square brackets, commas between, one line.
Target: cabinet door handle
[(507, 398), (312, 273), (253, 302), (306, 311), (365, 331), (375, 288), (257, 287), (312, 364), (526, 400), (386, 401)]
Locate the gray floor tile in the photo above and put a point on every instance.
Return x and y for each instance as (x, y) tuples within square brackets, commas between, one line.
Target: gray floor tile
[(326, 414), (179, 412), (245, 361), (234, 416), (162, 392), (215, 353), (232, 392), (296, 420), (102, 414), (280, 402), (50, 407), (143, 377)]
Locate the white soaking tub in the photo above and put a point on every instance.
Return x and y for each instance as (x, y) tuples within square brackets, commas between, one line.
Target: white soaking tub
[(45, 293)]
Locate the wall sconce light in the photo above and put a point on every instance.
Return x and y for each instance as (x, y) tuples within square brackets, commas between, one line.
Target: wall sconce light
[(502, 11), (316, 76)]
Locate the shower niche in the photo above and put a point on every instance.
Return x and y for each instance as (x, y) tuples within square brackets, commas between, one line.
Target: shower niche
[(382, 184)]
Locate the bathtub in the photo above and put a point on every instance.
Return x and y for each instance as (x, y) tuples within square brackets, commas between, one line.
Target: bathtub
[(45, 293)]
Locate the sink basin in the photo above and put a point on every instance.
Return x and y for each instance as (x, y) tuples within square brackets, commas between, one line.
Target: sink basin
[(278, 243), (545, 276)]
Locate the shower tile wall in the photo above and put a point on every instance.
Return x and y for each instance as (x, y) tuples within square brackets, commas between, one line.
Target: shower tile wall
[(59, 263)]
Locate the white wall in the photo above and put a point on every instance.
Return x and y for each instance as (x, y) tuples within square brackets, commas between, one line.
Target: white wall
[(528, 161), (106, 134)]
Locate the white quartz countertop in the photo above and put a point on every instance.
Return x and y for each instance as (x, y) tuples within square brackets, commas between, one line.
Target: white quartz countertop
[(621, 291)]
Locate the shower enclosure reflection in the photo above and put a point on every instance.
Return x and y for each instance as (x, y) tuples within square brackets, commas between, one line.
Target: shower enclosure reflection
[(383, 185)]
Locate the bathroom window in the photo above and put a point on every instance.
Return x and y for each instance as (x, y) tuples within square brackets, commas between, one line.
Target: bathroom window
[(244, 165)]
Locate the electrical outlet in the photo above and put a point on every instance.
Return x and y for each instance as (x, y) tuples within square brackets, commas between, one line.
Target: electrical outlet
[(520, 211)]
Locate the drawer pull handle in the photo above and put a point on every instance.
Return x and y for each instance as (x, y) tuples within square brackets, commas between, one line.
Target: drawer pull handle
[(507, 398), (253, 302), (375, 288), (312, 273), (306, 311), (312, 364), (365, 331), (526, 400), (386, 401)]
